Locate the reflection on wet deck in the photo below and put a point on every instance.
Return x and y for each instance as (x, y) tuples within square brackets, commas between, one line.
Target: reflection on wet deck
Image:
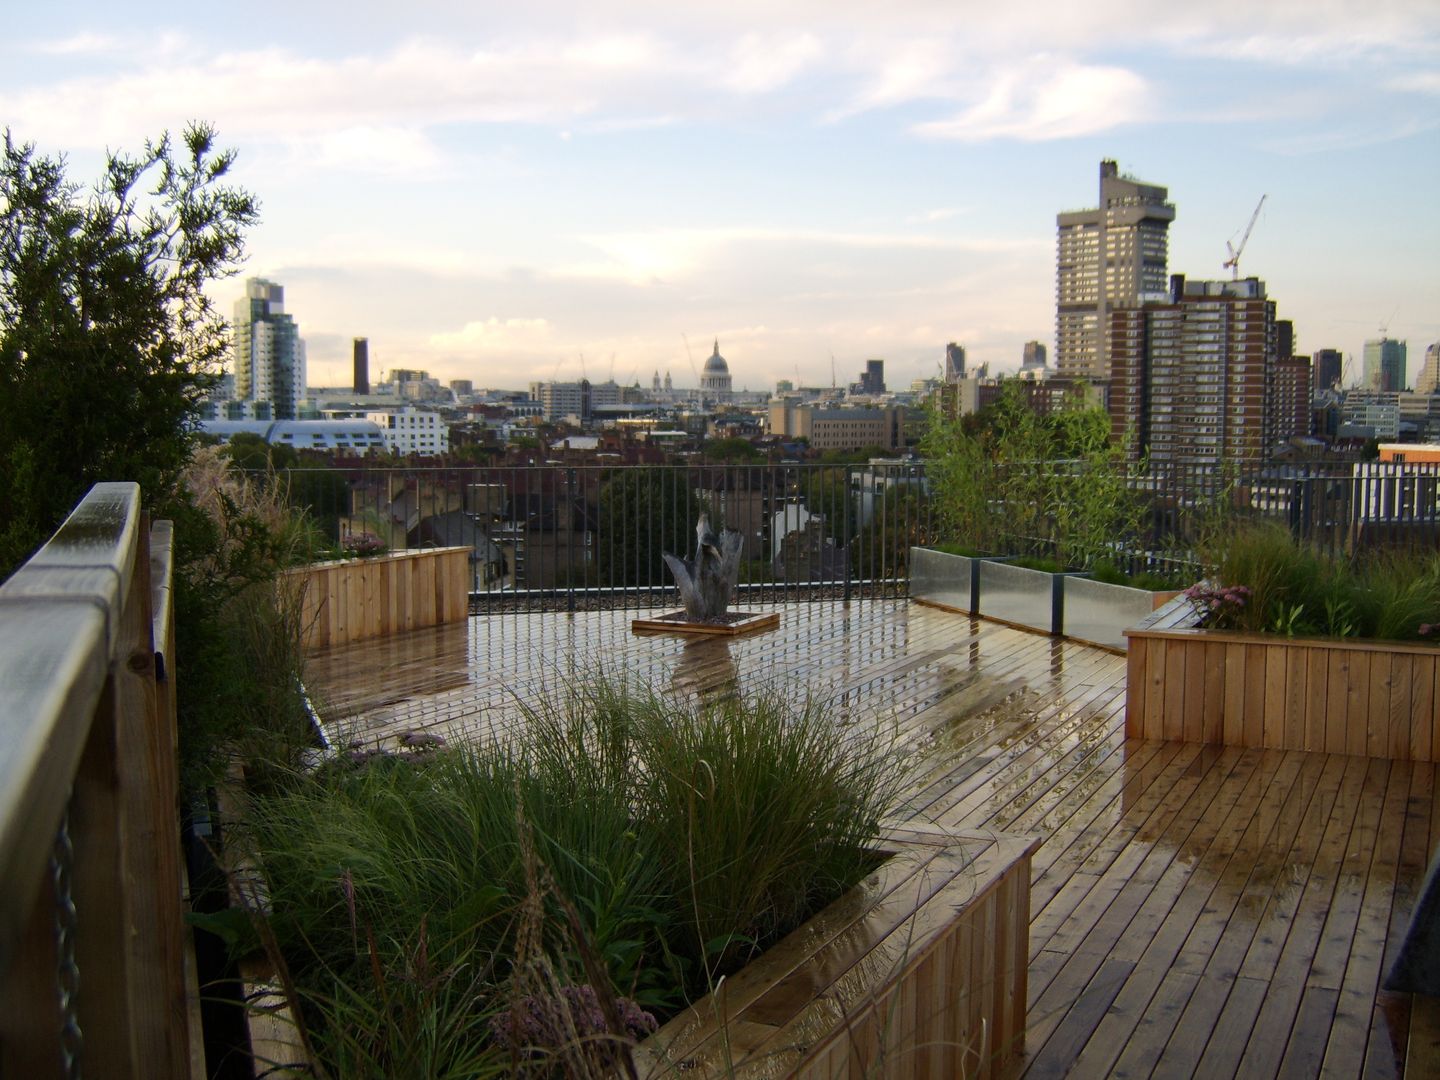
[(1194, 909)]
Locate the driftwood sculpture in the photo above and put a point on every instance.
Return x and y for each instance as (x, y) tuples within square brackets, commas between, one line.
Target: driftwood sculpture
[(707, 581)]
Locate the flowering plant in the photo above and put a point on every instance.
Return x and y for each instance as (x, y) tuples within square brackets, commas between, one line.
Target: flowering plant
[(362, 545), (1217, 606)]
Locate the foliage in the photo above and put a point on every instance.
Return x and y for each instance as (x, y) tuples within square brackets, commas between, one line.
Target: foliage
[(103, 303), (1267, 581), (826, 493), (645, 512), (630, 844), (733, 450), (1012, 481), (238, 626)]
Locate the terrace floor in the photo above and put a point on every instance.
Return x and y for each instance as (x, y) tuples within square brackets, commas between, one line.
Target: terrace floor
[(1194, 910)]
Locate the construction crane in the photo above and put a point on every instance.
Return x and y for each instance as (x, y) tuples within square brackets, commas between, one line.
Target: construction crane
[(1233, 262)]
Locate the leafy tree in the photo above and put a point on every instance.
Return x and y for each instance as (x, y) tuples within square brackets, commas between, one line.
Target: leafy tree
[(107, 338), (735, 450), (1015, 482), (645, 512)]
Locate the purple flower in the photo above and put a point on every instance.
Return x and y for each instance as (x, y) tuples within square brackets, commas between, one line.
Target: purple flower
[(549, 1023)]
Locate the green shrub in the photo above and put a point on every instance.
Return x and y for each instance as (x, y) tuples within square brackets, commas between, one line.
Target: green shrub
[(657, 842), (1266, 581)]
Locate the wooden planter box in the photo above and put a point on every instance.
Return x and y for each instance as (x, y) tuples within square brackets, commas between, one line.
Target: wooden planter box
[(355, 599), (1332, 695), (920, 971)]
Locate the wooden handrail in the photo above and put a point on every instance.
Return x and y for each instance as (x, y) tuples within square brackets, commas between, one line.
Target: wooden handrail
[(87, 752)]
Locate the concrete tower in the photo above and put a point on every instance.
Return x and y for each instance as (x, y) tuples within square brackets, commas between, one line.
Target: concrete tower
[(1112, 256), (269, 356)]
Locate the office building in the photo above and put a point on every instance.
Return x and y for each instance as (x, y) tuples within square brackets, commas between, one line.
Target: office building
[(954, 362), (268, 356), (1033, 358), (872, 379), (840, 429), (1114, 255), (1384, 366), (360, 355), (1193, 377), (1326, 368), (1428, 381)]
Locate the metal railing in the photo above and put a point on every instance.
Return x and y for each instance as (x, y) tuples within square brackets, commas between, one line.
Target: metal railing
[(575, 536), (565, 537)]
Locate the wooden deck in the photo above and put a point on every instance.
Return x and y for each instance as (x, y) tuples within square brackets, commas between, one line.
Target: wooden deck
[(1196, 910)]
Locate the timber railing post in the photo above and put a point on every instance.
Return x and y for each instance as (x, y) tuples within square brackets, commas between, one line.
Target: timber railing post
[(91, 970)]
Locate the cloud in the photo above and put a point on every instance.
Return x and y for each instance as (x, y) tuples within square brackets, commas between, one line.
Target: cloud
[(663, 257), (1421, 82), (1038, 100), (496, 334), (81, 44), (761, 64)]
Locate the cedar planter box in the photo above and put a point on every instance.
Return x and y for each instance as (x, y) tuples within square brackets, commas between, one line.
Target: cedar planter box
[(355, 599), (1099, 613), (919, 971), (1331, 695)]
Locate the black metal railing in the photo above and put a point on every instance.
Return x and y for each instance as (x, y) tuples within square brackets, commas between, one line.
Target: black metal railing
[(565, 537)]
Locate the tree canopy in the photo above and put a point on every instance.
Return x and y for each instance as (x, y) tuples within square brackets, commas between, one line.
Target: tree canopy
[(107, 338)]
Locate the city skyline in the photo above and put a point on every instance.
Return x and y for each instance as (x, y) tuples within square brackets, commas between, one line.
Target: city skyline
[(490, 194)]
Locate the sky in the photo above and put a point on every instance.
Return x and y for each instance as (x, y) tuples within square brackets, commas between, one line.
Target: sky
[(512, 192)]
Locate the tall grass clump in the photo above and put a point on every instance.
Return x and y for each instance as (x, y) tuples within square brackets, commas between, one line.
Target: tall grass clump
[(238, 627), (605, 869), (1266, 581)]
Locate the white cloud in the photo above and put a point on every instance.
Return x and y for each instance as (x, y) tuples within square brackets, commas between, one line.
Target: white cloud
[(81, 44), (760, 64), (496, 334), (1041, 100), (1421, 82)]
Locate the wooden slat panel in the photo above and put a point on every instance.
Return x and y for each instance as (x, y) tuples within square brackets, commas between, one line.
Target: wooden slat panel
[(1233, 728)]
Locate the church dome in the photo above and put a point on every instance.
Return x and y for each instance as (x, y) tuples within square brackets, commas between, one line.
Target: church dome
[(716, 365)]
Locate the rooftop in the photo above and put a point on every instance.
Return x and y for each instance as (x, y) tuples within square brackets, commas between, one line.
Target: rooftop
[(1193, 908)]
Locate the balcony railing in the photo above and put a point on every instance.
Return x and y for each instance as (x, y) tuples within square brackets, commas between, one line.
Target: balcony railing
[(91, 964), (573, 536)]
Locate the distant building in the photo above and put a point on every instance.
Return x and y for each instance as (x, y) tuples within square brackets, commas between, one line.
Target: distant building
[(361, 361), (1428, 381), (715, 377), (1326, 368), (954, 362), (1033, 358), (1384, 366), (412, 431), (359, 436), (1290, 399), (1115, 255), (268, 354), (840, 429), (1192, 378), (1370, 414), (578, 399), (872, 379), (462, 388)]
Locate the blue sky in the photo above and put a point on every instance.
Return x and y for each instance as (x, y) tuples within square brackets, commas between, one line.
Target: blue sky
[(495, 193)]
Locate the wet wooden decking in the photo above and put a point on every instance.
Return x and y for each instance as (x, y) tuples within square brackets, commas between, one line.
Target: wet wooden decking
[(1195, 910)]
